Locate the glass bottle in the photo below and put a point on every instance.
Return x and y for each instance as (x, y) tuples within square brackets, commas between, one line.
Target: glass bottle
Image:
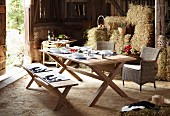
[(52, 36), (49, 36)]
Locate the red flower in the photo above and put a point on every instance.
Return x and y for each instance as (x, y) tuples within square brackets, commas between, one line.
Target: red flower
[(127, 49)]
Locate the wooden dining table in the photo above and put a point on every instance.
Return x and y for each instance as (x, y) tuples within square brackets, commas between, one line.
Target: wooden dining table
[(112, 64)]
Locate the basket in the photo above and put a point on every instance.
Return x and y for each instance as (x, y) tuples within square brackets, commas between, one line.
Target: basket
[(100, 21)]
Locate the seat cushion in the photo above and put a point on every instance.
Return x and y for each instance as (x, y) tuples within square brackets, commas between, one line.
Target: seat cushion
[(135, 67)]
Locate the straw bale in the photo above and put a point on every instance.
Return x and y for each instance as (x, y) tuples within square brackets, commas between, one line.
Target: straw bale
[(168, 55), (137, 42), (113, 22), (95, 34), (2, 53), (161, 74), (145, 29), (118, 39), (168, 73), (168, 64), (143, 36), (140, 14)]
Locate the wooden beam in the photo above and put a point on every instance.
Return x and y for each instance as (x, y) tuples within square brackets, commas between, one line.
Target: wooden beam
[(159, 19), (118, 8), (36, 11), (27, 49)]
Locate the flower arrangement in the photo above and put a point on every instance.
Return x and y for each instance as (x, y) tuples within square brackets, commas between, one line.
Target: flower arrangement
[(126, 49)]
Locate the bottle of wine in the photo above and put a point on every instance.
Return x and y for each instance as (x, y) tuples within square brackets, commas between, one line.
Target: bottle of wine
[(49, 36), (52, 36)]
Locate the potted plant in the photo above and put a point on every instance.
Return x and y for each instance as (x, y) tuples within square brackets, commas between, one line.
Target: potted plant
[(122, 28)]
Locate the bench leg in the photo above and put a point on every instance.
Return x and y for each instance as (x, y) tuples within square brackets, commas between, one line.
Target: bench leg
[(60, 102), (29, 84)]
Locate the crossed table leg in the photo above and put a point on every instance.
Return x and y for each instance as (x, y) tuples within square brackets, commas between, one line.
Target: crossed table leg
[(107, 82)]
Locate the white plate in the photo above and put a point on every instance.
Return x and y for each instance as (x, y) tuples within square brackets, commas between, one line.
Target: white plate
[(55, 50), (106, 52), (85, 48), (65, 51), (78, 55)]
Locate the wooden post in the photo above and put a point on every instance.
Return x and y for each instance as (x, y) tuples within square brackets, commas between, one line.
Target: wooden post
[(159, 19), (93, 10), (2, 37), (31, 37), (118, 8), (28, 44)]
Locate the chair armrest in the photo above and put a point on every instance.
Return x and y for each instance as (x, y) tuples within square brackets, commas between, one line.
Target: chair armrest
[(135, 62), (148, 64)]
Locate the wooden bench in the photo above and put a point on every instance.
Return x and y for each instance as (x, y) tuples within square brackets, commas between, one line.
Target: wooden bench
[(52, 81)]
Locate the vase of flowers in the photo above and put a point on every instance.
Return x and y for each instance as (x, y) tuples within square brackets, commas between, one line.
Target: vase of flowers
[(126, 50), (122, 28)]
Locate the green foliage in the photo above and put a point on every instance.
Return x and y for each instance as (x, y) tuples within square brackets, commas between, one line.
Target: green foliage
[(123, 25), (15, 15)]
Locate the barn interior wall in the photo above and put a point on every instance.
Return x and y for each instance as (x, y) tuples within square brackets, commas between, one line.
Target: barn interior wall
[(61, 19)]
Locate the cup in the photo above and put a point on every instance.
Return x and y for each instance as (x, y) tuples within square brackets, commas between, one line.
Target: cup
[(103, 56)]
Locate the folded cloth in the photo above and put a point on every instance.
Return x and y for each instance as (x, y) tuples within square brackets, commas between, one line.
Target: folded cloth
[(39, 69), (81, 58), (140, 105), (54, 78)]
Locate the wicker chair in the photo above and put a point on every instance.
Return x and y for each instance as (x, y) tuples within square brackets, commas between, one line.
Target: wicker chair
[(144, 72), (105, 45)]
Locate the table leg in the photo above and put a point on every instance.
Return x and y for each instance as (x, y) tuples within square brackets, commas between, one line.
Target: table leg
[(108, 82), (67, 62), (64, 67)]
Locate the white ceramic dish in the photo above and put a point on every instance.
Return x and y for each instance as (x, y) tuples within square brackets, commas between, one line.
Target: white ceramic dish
[(55, 50), (106, 52), (78, 55)]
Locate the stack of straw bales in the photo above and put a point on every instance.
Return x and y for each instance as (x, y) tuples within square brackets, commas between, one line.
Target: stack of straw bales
[(139, 14), (96, 34), (142, 18)]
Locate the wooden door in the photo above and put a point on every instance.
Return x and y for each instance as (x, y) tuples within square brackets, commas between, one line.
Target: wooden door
[(2, 37)]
